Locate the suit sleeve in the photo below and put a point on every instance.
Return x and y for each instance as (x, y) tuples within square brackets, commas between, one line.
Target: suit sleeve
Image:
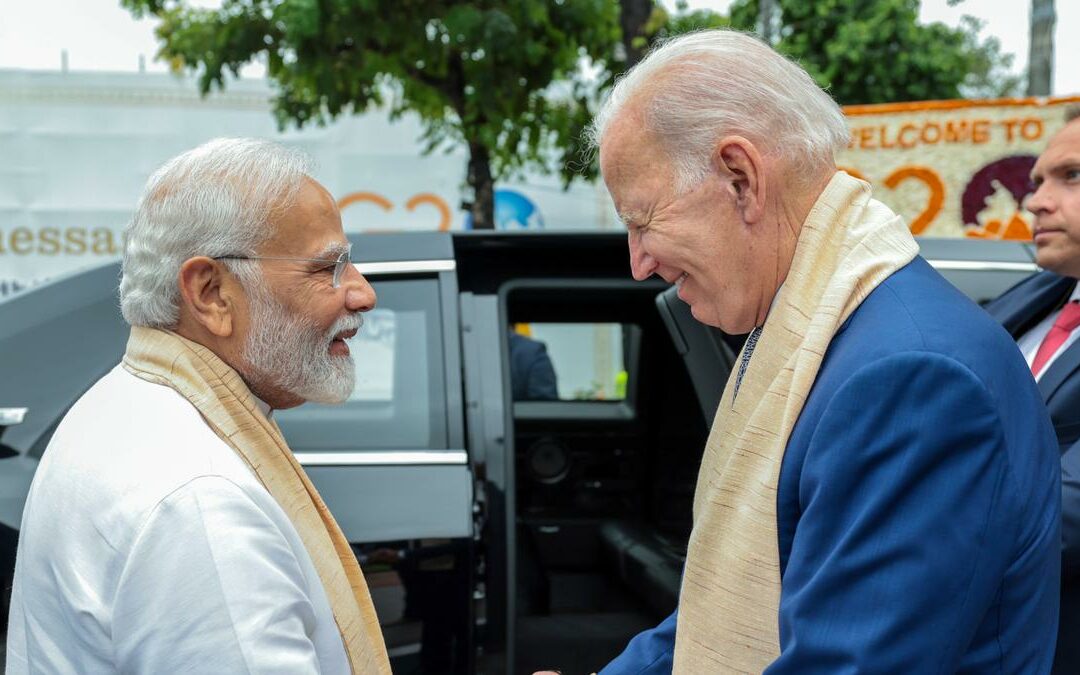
[(211, 585), (542, 385), (907, 524), (649, 653), (1070, 512)]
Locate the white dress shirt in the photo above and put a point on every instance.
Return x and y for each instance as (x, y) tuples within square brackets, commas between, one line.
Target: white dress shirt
[(148, 546), (1030, 341)]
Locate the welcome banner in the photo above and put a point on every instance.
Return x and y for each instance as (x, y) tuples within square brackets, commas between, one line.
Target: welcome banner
[(76, 149), (954, 168)]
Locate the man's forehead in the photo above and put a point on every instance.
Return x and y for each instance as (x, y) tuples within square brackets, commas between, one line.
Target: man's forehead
[(325, 197), (635, 180), (612, 151), (310, 226), (1063, 148), (627, 130), (619, 177), (1067, 139)]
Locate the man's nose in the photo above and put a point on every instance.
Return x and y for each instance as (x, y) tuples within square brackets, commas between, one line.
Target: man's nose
[(642, 265), (1039, 202), (359, 295)]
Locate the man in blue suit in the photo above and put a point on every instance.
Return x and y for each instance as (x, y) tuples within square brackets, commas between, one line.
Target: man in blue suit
[(532, 377), (912, 509), (1043, 314)]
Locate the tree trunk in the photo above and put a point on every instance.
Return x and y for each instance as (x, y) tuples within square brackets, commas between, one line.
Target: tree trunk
[(633, 15), (483, 187), (1041, 50), (768, 21)]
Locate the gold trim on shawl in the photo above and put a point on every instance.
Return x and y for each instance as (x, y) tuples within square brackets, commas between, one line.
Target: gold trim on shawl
[(730, 596), (230, 409)]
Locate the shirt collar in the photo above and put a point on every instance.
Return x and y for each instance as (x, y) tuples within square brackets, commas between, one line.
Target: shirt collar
[(772, 304)]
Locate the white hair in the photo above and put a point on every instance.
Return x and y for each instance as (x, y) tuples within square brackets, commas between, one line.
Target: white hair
[(214, 200), (699, 87)]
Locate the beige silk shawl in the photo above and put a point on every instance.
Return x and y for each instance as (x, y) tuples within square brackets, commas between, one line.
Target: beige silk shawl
[(730, 597), (229, 408)]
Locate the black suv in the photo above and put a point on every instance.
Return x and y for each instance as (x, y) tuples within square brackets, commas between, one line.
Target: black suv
[(497, 533)]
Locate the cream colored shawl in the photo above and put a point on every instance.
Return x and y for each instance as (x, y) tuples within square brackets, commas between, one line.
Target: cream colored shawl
[(730, 594), (229, 408)]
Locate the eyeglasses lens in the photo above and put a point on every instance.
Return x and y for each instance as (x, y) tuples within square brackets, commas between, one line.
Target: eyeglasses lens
[(343, 261)]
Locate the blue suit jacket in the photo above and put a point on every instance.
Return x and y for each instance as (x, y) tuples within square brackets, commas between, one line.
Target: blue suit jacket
[(1019, 309), (532, 377), (918, 505)]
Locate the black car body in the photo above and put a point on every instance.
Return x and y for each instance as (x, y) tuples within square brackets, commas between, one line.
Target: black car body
[(496, 535)]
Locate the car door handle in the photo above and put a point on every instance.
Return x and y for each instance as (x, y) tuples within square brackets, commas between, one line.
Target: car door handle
[(9, 417)]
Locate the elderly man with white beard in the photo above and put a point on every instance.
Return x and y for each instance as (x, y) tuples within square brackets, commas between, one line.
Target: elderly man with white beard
[(169, 528)]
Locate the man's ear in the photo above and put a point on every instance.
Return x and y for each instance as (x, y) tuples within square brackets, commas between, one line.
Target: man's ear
[(209, 294), (739, 164)]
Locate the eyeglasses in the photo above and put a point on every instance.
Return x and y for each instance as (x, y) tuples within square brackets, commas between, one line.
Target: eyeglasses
[(340, 263)]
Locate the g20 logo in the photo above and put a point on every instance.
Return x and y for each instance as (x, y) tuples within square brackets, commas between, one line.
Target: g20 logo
[(428, 199), (992, 204)]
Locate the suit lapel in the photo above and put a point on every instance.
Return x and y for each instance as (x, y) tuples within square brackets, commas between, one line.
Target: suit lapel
[(1032, 309), (1060, 370)]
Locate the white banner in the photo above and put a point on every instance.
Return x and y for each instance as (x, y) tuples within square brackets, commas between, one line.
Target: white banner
[(77, 148)]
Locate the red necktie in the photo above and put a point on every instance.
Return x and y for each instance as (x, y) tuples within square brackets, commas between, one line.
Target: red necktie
[(1066, 322)]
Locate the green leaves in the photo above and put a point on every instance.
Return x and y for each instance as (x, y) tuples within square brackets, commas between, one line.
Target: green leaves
[(517, 81), (874, 51), (297, 20), (503, 77)]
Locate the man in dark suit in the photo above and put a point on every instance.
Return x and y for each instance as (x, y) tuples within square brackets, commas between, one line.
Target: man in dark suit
[(532, 377), (1043, 314)]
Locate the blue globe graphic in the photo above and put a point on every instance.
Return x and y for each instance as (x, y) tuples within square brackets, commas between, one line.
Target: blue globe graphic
[(513, 211)]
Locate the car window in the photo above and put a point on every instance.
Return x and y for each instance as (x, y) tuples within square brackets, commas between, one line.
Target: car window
[(399, 401), (569, 361)]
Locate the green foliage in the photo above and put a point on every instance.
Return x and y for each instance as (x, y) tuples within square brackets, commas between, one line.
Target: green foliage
[(516, 81), (991, 74), (501, 77), (873, 51), (685, 20)]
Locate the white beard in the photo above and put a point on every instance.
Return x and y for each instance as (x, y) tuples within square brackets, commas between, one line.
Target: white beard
[(288, 352)]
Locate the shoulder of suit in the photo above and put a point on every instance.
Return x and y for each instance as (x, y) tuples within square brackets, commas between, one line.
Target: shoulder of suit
[(1045, 279)]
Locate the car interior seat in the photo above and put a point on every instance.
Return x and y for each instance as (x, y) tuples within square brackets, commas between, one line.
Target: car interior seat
[(643, 555)]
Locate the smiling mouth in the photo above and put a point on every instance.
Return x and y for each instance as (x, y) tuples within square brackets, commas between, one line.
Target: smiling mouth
[(682, 277), (338, 345)]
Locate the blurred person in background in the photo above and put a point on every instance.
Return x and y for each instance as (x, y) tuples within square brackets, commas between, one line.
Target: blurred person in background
[(532, 376), (1043, 314)]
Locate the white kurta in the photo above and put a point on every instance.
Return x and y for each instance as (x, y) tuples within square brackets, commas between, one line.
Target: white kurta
[(148, 546)]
